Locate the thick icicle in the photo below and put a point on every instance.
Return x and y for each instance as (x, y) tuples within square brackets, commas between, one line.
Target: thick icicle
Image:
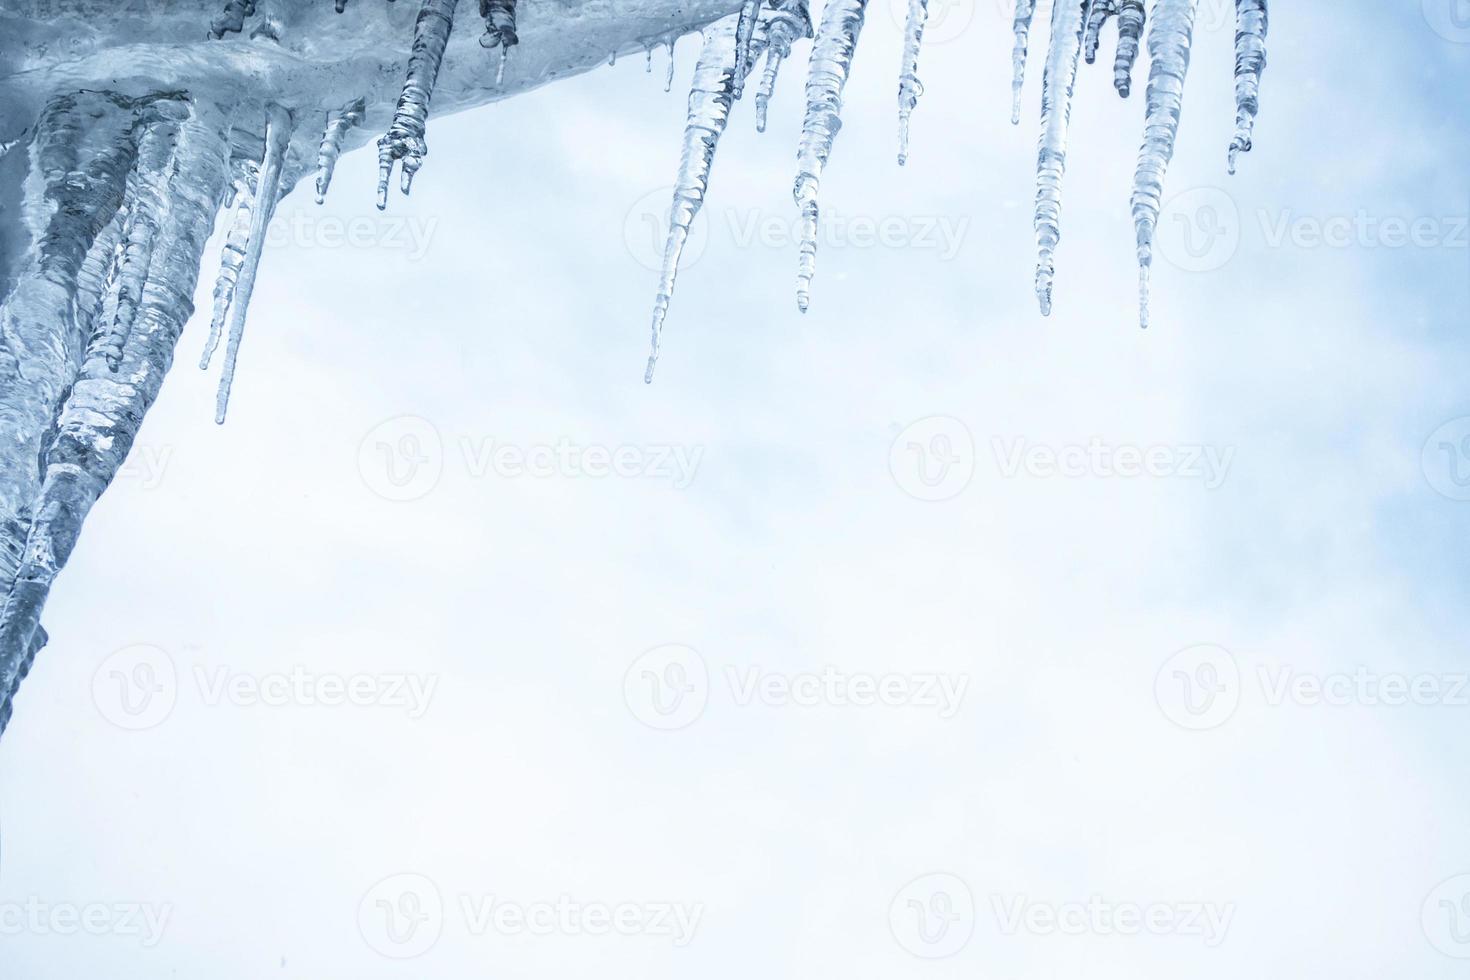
[(842, 22), (405, 137), (744, 34), (1168, 48), (95, 426), (787, 22), (237, 241), (710, 98), (1096, 18), (1131, 18), (909, 87), (267, 192), (338, 125), (151, 176), (1025, 11), (1057, 87), (1251, 23)]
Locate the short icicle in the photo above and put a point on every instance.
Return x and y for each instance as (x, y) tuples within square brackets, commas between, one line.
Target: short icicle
[(1168, 47), (1251, 23), (790, 20), (405, 137), (267, 192), (744, 35), (1057, 87), (1131, 18), (669, 74), (842, 22), (339, 123), (1025, 11), (710, 98), (909, 86), (500, 31), (1097, 17)]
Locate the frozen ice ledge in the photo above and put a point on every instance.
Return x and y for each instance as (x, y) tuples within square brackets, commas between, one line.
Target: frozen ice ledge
[(128, 129)]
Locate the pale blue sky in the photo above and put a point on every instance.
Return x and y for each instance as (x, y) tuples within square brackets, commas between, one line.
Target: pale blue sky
[(506, 303)]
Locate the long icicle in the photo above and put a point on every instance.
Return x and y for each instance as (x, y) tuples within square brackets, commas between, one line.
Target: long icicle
[(1251, 24), (267, 192), (789, 21), (710, 98), (744, 34), (909, 86), (1131, 18), (151, 175), (1025, 11), (1057, 86), (1096, 19), (1168, 48), (842, 22), (232, 256), (339, 123), (405, 137)]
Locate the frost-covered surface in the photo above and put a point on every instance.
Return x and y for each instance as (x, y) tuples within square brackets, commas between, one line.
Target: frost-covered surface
[(126, 131)]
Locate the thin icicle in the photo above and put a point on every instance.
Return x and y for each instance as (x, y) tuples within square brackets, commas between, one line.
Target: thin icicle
[(669, 75), (789, 21), (1131, 18), (744, 34), (267, 192), (151, 174), (1251, 23), (1057, 87), (338, 125), (842, 22), (237, 243), (909, 86), (1025, 10), (500, 32), (710, 98), (1168, 48), (405, 137), (1101, 11)]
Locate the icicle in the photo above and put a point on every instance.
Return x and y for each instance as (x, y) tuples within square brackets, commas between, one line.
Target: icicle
[(1131, 18), (744, 34), (341, 5), (909, 86), (1251, 23), (267, 192), (237, 243), (669, 75), (787, 22), (338, 125), (151, 177), (647, 58), (1101, 11), (405, 137), (1168, 48), (98, 274), (1025, 10), (232, 19), (842, 21), (1057, 87), (710, 97)]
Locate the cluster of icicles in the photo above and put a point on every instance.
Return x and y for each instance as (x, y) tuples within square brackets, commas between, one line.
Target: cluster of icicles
[(728, 58)]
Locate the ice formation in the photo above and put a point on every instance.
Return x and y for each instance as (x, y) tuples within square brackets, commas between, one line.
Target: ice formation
[(124, 138)]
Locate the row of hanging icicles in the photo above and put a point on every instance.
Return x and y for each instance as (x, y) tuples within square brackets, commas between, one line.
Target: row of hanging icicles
[(728, 58)]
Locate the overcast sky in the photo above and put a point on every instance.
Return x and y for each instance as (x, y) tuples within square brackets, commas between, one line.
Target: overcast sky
[(918, 636)]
